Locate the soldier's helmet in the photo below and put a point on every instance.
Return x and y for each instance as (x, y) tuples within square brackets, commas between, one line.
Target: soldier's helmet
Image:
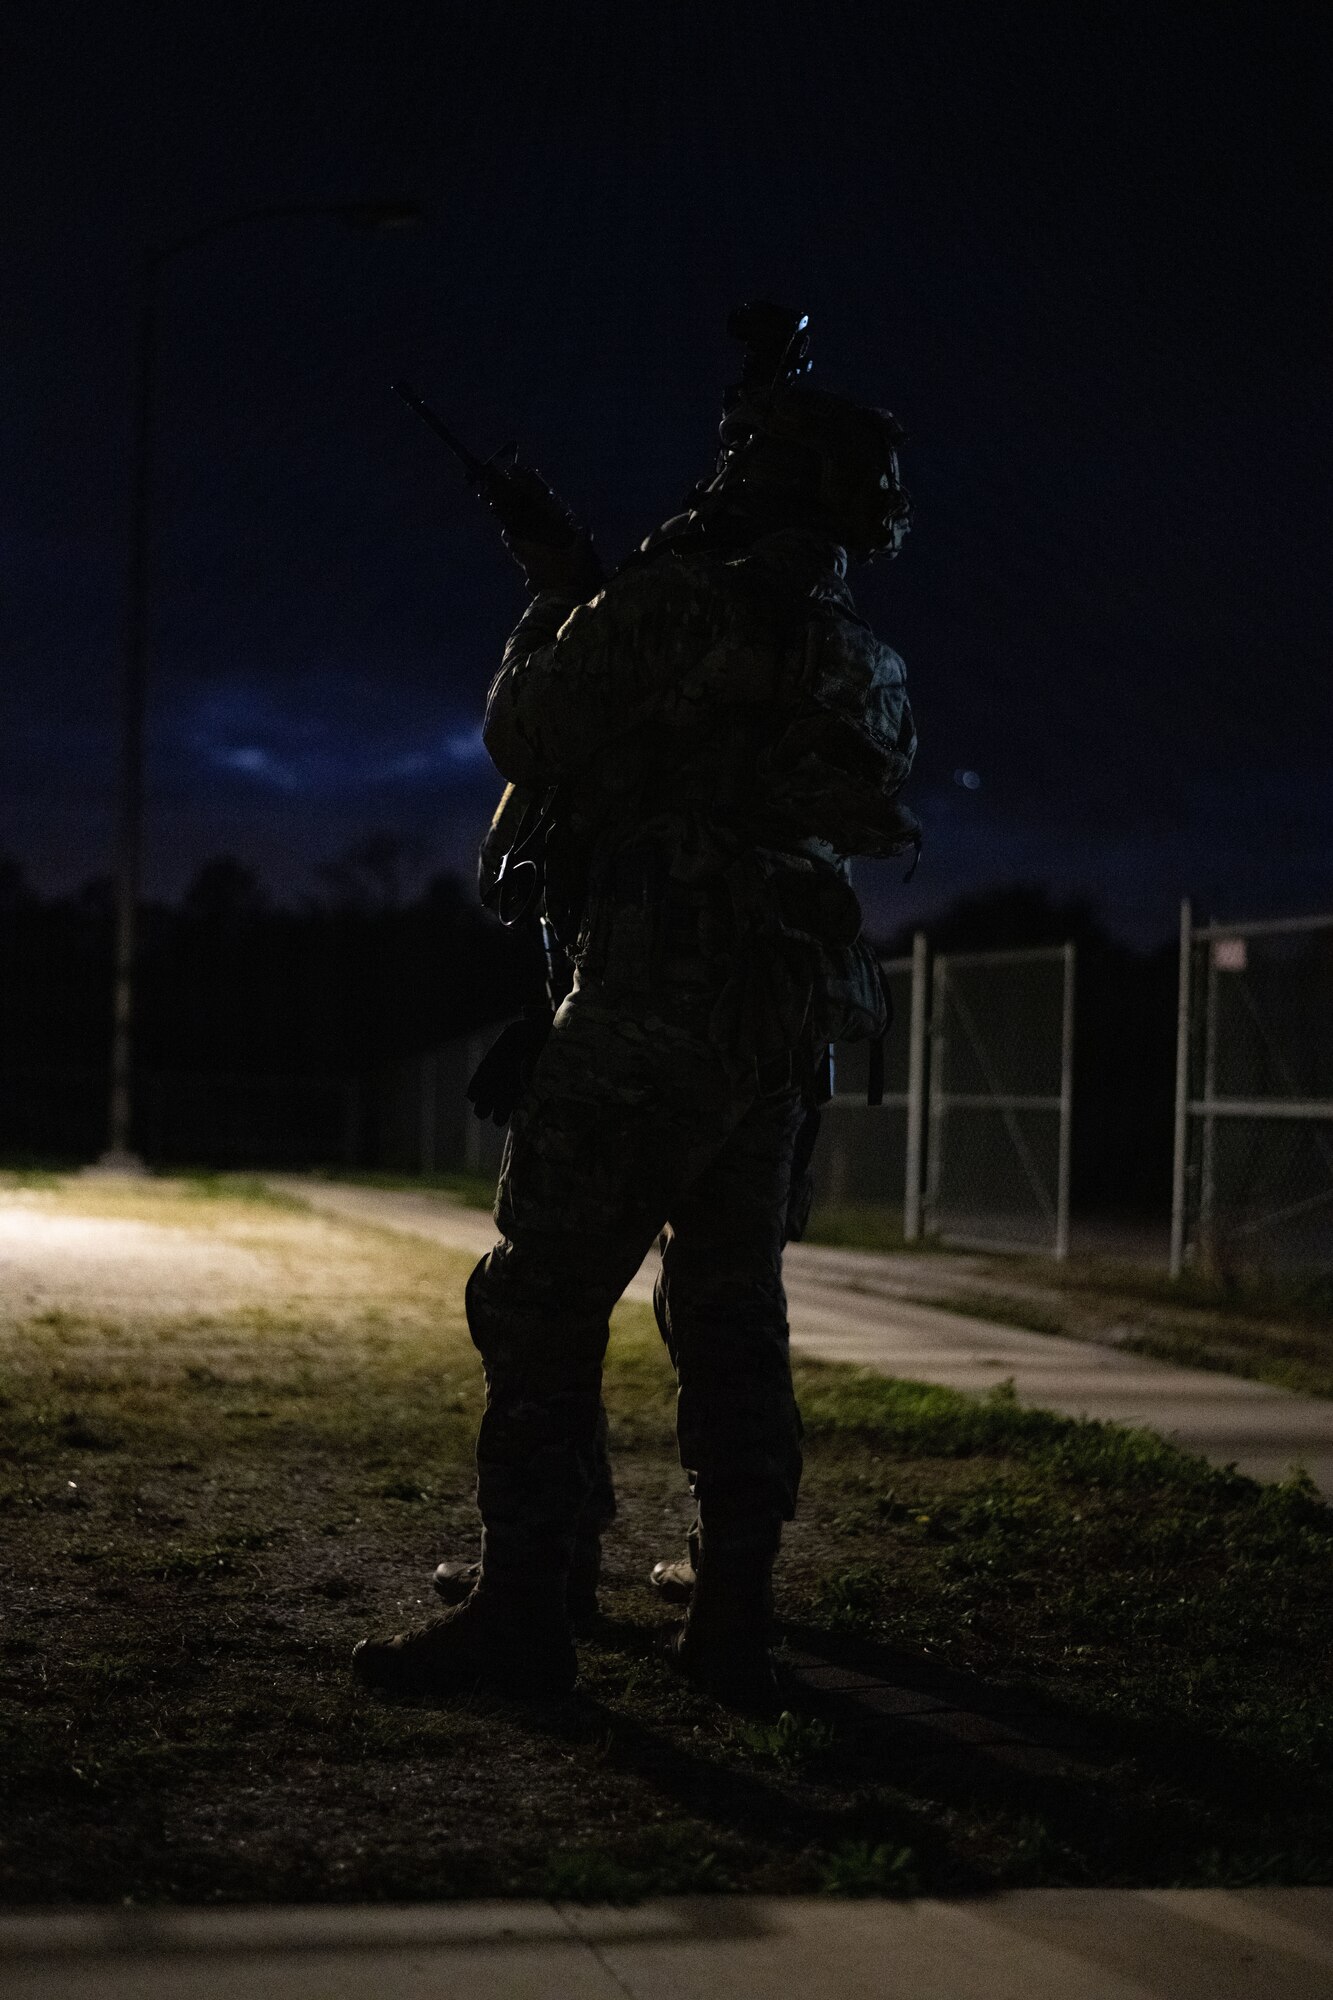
[(835, 459)]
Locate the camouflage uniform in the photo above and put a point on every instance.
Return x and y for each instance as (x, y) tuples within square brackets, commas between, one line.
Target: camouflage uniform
[(716, 945), (691, 750)]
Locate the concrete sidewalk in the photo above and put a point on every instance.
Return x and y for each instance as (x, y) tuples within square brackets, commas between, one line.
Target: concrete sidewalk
[(849, 1305), (1036, 1944)]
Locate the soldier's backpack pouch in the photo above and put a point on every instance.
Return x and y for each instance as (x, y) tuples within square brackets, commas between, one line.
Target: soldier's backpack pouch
[(846, 743)]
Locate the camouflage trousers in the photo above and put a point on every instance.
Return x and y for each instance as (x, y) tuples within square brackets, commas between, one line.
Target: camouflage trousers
[(636, 1129)]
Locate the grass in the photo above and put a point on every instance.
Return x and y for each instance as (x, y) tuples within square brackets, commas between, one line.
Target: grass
[(212, 1485), (861, 1226), (863, 1868), (790, 1742), (1032, 1317), (473, 1190), (1271, 1329), (1301, 1363), (203, 1184), (1307, 1299)]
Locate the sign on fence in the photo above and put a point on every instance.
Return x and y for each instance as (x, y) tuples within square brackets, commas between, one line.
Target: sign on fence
[(1253, 1179)]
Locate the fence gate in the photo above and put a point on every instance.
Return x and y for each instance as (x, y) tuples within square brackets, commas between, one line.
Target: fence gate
[(1001, 1079), (870, 1154), (1253, 1182)]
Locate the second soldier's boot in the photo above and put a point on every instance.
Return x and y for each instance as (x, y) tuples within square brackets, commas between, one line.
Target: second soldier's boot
[(454, 1582), (725, 1644), (510, 1634), (674, 1580)]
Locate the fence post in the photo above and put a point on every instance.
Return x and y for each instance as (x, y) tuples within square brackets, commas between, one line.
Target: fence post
[(916, 1092), (1066, 1110), (939, 975), (1208, 1155), (1182, 1090)]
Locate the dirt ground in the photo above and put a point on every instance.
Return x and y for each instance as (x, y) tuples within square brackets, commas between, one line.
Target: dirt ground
[(235, 1437)]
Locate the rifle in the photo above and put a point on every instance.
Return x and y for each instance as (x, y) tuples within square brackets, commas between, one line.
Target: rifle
[(532, 516), (538, 529)]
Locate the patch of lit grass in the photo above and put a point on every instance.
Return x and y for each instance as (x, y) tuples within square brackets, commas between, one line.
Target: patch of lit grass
[(472, 1190), (999, 1308), (1305, 1366), (205, 1185), (860, 1226)]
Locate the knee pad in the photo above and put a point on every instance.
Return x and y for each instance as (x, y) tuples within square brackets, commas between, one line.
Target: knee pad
[(536, 1336)]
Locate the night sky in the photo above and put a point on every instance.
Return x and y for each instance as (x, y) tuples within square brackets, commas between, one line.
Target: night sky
[(1082, 253)]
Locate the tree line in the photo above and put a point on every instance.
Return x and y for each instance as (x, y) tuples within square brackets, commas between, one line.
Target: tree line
[(234, 985)]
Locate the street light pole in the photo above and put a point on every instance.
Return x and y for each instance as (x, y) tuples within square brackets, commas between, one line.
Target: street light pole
[(120, 1156)]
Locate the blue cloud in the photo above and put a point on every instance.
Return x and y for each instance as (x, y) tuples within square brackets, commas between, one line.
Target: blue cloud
[(256, 762), (320, 742)]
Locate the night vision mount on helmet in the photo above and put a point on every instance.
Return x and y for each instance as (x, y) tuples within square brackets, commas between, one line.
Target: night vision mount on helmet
[(779, 435)]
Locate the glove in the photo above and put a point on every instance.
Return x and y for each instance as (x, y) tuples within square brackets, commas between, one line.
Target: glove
[(550, 546), (505, 1071), (575, 570)]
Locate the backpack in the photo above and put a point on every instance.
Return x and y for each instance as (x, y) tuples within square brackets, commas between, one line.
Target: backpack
[(845, 742)]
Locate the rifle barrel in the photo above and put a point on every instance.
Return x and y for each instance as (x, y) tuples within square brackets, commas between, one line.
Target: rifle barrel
[(470, 463)]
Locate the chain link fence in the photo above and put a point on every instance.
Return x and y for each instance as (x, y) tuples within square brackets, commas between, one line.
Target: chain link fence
[(870, 1154), (1000, 1095), (1253, 1181)]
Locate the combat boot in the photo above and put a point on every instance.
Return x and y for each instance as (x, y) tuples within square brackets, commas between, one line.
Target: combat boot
[(725, 1644), (511, 1635), (455, 1582)]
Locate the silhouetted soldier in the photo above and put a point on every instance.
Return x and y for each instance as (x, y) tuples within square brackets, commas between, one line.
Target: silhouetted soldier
[(696, 747)]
